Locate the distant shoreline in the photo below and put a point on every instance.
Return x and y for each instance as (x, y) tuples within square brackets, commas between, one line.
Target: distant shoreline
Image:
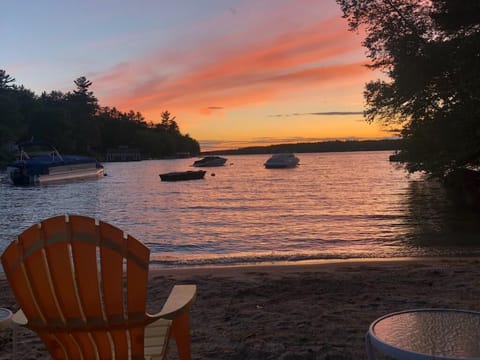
[(323, 146)]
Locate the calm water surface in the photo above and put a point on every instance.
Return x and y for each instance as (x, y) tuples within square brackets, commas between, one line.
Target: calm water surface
[(333, 205)]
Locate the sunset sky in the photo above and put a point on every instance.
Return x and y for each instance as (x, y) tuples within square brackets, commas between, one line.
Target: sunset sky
[(233, 72)]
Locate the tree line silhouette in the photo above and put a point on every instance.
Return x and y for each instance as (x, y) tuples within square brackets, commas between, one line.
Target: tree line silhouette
[(314, 147), (428, 53), (75, 123)]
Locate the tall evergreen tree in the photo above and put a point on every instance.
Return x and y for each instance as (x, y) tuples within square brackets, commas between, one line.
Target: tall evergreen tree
[(83, 109), (15, 102), (168, 123), (5, 80)]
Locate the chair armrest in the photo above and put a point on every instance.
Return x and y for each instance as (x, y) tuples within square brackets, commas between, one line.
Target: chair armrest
[(19, 318), (179, 301)]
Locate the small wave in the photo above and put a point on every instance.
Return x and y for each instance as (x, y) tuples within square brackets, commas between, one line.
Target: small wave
[(246, 260)]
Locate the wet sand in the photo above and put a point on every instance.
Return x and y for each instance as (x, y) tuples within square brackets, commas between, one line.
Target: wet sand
[(302, 311)]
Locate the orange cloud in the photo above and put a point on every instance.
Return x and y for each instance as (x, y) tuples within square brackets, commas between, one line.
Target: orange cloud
[(234, 75)]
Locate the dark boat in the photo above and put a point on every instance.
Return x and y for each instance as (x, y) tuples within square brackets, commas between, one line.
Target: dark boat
[(394, 157), (183, 175)]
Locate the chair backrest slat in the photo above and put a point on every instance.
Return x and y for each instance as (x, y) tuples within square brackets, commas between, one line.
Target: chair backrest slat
[(54, 345), (121, 342), (137, 276), (38, 276), (12, 261), (102, 341), (57, 237), (111, 257), (86, 345), (84, 250), (136, 340), (66, 342)]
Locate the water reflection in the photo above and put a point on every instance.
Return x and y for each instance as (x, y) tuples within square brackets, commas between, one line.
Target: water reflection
[(23, 206), (437, 223), (335, 205)]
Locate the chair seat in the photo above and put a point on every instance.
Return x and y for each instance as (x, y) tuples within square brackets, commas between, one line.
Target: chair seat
[(427, 334), (156, 339)]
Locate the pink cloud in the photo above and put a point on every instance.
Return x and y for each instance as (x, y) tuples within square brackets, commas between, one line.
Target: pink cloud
[(237, 69)]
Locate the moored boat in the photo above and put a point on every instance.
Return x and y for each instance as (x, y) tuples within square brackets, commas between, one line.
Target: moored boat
[(394, 157), (183, 175), (210, 161), (282, 161), (40, 163)]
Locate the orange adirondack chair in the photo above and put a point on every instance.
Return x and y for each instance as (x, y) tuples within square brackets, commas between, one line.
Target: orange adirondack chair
[(82, 287)]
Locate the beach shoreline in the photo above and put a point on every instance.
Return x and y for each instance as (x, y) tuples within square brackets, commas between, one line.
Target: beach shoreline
[(307, 310), (299, 264)]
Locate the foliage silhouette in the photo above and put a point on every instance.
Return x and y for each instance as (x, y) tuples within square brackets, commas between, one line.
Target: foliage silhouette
[(429, 53), (75, 123)]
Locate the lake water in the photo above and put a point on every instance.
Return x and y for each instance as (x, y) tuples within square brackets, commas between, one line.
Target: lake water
[(333, 205)]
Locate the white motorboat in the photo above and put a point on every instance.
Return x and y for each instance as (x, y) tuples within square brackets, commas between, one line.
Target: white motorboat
[(45, 165), (210, 161), (282, 161)]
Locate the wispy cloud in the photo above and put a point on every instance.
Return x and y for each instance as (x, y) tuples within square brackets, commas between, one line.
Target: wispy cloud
[(238, 74), (325, 113)]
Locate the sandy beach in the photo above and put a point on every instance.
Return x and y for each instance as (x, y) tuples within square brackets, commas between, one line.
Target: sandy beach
[(302, 311)]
